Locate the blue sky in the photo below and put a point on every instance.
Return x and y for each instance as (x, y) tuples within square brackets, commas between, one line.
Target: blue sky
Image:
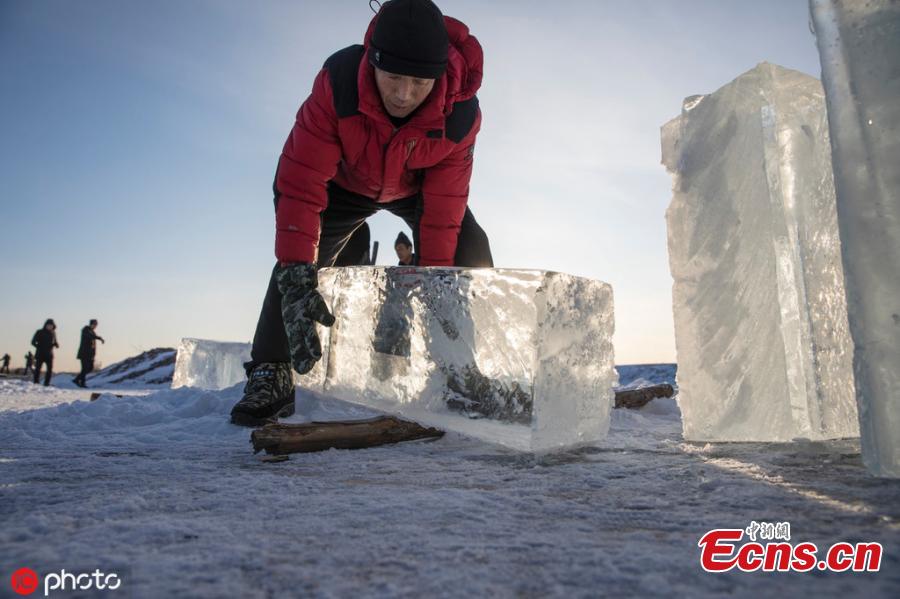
[(139, 141)]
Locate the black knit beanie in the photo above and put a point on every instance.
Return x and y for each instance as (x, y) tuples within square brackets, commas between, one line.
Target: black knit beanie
[(410, 38), (402, 238)]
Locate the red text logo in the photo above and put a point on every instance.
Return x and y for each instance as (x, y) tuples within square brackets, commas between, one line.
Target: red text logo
[(720, 551)]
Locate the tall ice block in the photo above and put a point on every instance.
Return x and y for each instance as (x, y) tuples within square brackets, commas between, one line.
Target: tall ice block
[(517, 357), (859, 47), (763, 344)]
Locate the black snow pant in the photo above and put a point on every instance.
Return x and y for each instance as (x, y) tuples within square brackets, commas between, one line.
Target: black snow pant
[(40, 360), (346, 212), (87, 366)]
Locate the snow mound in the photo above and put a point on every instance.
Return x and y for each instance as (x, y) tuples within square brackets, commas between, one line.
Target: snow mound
[(153, 367), (165, 418), (635, 376), (37, 416)]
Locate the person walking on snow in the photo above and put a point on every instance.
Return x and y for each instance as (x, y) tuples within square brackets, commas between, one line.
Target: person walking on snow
[(44, 341), (86, 352), (29, 363), (5, 367), (390, 124)]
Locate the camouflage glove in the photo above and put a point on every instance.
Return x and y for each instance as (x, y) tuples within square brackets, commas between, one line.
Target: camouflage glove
[(302, 307)]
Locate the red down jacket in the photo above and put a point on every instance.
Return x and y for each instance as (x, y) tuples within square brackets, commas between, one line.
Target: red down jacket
[(343, 134)]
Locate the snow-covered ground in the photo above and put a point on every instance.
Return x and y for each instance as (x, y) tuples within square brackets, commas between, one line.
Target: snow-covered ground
[(159, 488)]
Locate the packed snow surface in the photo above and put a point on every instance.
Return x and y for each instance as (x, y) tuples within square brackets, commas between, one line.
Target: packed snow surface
[(161, 489)]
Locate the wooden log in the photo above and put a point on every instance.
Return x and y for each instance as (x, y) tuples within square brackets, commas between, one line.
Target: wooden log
[(638, 398), (279, 439), (95, 396)]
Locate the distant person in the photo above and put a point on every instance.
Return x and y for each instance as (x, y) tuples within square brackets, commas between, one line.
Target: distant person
[(44, 341), (29, 363), (404, 248), (86, 352), (5, 367)]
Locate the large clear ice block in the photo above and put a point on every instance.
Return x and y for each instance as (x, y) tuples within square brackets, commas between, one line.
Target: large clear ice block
[(516, 357), (206, 364), (859, 47), (763, 345)]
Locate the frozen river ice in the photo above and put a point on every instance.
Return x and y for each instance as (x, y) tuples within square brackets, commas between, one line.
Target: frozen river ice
[(162, 490)]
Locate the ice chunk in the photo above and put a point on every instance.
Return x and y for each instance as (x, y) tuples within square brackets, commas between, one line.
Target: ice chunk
[(764, 351), (859, 47), (516, 357), (206, 364)]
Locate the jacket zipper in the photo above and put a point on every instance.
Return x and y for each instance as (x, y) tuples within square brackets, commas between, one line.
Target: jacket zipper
[(394, 131)]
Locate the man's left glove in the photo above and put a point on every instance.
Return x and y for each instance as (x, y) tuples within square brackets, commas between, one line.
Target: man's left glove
[(302, 307)]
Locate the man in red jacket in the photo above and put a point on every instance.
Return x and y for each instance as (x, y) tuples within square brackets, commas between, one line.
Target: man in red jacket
[(390, 124)]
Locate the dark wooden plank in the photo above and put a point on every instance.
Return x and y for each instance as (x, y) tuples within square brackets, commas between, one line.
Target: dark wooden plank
[(279, 439)]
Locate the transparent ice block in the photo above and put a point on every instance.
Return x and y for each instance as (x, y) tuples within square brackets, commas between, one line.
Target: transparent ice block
[(522, 358), (206, 364), (859, 47), (763, 345)]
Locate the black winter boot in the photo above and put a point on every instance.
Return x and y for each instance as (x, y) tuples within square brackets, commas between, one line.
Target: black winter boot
[(268, 395)]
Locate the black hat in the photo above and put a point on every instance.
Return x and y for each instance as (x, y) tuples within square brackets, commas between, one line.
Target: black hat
[(93, 321), (410, 38), (402, 238), (49, 321)]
